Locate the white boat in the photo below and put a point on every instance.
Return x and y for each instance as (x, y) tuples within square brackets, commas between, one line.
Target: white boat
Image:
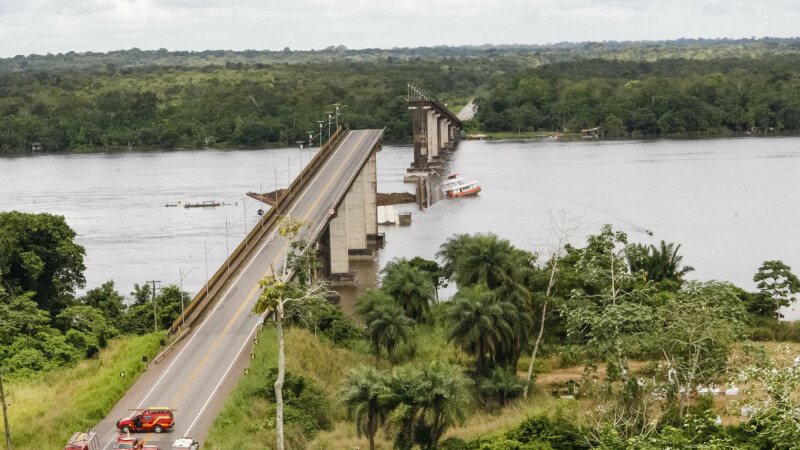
[(454, 186)]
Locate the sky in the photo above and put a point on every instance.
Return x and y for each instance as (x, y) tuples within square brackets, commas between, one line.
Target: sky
[(42, 26)]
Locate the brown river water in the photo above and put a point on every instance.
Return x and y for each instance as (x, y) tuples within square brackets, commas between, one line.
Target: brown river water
[(731, 203)]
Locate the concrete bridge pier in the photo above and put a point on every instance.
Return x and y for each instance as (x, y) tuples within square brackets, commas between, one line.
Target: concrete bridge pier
[(353, 230), (435, 132), (419, 116), (434, 143)]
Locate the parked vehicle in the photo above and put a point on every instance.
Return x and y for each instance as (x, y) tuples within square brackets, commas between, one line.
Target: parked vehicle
[(185, 443), (154, 419), (83, 441), (125, 441)]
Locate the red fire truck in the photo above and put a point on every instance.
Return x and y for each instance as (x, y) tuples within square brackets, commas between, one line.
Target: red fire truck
[(125, 441), (154, 419), (83, 441)]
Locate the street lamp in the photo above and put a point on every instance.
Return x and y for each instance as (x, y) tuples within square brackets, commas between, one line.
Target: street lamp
[(320, 122), (330, 116), (208, 250), (184, 275), (337, 105), (244, 214)]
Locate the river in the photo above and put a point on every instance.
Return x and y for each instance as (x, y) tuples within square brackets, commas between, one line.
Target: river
[(731, 203)]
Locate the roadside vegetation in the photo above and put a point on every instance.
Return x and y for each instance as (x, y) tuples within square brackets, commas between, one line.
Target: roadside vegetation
[(62, 353), (46, 408), (605, 345)]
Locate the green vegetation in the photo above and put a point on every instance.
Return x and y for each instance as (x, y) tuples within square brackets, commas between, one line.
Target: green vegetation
[(622, 312), (43, 325), (665, 97), (47, 408), (160, 99)]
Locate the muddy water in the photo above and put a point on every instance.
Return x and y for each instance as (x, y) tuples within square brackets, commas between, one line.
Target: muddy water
[(731, 203)]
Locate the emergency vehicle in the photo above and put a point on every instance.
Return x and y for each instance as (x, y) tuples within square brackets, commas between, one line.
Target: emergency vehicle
[(154, 419), (83, 441), (125, 441), (185, 443)]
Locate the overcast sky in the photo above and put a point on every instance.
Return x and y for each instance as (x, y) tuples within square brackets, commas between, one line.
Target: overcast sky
[(41, 26)]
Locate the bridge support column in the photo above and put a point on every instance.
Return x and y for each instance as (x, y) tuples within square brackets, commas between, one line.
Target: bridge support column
[(337, 230), (433, 135), (444, 132), (420, 121), (357, 218), (371, 203)]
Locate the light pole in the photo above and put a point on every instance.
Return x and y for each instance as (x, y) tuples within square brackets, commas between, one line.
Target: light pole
[(320, 122), (244, 211), (208, 250), (184, 275), (330, 116), (5, 412), (337, 113)]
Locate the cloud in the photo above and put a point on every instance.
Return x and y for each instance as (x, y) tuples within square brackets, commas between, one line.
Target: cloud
[(41, 26)]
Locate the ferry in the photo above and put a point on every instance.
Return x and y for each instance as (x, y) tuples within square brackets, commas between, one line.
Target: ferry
[(454, 186)]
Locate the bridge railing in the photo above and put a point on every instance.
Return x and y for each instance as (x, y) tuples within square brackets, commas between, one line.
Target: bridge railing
[(241, 253)]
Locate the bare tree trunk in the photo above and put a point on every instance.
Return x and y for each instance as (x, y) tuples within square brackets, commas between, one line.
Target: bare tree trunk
[(550, 285), (535, 350), (279, 381)]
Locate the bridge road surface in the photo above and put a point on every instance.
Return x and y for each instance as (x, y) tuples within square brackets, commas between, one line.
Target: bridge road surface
[(196, 377)]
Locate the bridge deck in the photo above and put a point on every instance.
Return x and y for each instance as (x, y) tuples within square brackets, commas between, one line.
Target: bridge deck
[(197, 376)]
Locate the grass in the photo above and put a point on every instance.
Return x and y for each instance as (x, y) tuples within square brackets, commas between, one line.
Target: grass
[(46, 410), (239, 423), (236, 425)]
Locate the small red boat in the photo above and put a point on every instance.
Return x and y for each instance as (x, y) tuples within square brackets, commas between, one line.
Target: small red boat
[(454, 186)]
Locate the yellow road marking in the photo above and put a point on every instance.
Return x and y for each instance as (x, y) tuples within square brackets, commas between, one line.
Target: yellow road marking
[(253, 291)]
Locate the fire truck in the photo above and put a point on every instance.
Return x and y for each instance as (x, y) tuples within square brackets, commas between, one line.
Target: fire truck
[(125, 441), (154, 419), (83, 441)]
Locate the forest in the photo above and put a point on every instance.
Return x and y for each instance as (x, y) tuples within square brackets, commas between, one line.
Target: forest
[(162, 100)]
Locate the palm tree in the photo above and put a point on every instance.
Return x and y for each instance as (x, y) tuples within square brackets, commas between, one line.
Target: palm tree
[(387, 325), (442, 397), (365, 395), (477, 320), (484, 259), (503, 384), (662, 263), (425, 402), (410, 287)]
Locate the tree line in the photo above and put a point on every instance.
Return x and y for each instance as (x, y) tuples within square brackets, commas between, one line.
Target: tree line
[(637, 89), (660, 98)]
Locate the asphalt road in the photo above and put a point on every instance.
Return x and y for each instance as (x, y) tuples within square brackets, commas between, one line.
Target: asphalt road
[(196, 376)]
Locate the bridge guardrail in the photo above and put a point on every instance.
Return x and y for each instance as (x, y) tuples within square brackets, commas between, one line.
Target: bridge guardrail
[(240, 254)]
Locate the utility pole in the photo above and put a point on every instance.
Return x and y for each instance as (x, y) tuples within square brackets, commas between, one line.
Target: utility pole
[(155, 315), (5, 412)]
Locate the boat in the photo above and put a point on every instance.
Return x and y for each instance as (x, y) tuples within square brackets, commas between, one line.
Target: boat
[(205, 204), (454, 186)]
